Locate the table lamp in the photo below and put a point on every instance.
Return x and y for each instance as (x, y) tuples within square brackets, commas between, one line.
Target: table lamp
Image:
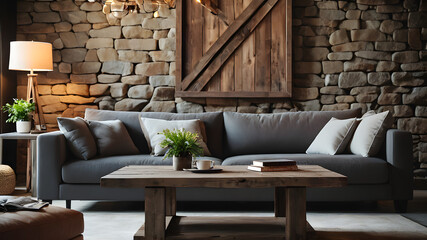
[(32, 56)]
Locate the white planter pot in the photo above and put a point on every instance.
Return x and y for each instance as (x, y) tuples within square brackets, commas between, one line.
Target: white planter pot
[(23, 126)]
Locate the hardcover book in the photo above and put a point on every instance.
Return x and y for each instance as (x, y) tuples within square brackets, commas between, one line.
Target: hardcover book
[(273, 168), (269, 163)]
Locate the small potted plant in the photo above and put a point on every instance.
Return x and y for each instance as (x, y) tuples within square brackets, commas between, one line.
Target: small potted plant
[(19, 112), (182, 147)]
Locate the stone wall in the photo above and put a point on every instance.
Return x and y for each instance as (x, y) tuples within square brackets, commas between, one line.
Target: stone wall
[(347, 54), (101, 61)]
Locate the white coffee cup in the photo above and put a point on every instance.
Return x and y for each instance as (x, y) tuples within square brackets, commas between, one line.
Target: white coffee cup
[(204, 164)]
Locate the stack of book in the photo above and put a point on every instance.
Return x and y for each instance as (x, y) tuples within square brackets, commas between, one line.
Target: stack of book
[(273, 165)]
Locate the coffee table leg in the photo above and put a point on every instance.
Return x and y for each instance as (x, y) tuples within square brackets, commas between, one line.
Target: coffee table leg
[(280, 201), (296, 213), (155, 212), (170, 201)]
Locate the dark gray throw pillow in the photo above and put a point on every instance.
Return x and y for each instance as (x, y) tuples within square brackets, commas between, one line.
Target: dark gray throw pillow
[(112, 138), (78, 136)]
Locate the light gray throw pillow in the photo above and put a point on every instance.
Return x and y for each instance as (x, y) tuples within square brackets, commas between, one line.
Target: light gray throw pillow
[(78, 136), (370, 134), (112, 138), (334, 137)]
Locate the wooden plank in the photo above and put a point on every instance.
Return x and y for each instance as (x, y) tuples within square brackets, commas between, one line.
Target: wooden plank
[(229, 102), (232, 29), (186, 38), (170, 201), (280, 202), (155, 212), (228, 228), (179, 48), (278, 53), (254, 228), (236, 41), (248, 60), (296, 213), (196, 41), (231, 177), (288, 60), (227, 70), (210, 30), (263, 55), (241, 170), (201, 100), (210, 36), (238, 84), (262, 100), (232, 94)]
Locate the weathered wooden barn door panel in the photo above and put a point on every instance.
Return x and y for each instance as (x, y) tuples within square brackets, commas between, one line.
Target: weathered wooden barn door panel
[(250, 57)]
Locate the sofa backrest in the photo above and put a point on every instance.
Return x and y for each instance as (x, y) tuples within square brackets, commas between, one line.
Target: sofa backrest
[(290, 132), (214, 124)]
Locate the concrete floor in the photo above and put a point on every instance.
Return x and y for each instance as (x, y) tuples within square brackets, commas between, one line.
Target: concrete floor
[(335, 221)]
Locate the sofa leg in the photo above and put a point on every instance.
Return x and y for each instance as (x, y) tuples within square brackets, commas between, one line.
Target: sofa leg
[(68, 204), (400, 206)]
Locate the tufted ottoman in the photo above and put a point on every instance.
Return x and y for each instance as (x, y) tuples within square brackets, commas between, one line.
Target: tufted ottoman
[(49, 223), (7, 180)]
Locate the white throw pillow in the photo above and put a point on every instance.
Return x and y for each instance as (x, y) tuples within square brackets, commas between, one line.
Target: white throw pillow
[(152, 127), (370, 133), (334, 137)]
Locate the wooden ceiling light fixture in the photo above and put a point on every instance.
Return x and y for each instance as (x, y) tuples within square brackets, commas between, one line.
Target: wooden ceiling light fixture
[(121, 8)]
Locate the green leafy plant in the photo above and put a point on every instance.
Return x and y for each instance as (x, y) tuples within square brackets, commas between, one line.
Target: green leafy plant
[(19, 110), (181, 143)]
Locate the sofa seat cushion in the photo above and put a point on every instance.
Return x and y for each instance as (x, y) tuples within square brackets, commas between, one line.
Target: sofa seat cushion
[(49, 223), (80, 171), (358, 169)]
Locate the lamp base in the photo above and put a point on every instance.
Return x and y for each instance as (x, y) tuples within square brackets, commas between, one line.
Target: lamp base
[(32, 91)]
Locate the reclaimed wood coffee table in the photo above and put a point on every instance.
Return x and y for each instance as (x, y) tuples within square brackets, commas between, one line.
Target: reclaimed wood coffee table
[(161, 222)]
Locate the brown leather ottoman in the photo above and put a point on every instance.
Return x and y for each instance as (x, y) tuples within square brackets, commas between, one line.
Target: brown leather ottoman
[(50, 223)]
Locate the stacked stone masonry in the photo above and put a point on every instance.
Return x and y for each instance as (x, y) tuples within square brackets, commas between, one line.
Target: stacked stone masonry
[(370, 54)]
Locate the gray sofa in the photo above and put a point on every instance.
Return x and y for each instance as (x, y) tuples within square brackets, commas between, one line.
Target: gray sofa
[(233, 139)]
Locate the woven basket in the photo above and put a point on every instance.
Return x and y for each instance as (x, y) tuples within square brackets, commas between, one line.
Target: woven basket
[(7, 180)]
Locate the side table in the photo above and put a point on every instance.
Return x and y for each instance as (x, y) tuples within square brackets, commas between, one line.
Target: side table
[(31, 156)]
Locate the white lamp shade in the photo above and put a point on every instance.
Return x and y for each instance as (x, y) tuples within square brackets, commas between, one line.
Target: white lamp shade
[(30, 56)]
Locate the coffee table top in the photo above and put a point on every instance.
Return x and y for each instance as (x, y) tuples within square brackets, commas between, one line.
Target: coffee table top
[(230, 177)]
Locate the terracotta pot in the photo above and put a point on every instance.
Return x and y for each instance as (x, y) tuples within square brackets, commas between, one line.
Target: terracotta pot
[(23, 126), (179, 163)]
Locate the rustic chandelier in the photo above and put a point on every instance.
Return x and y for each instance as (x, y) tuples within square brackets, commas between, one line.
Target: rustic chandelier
[(121, 8)]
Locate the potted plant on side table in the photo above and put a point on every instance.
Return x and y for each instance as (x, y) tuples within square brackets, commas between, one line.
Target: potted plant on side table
[(19, 112), (182, 147)]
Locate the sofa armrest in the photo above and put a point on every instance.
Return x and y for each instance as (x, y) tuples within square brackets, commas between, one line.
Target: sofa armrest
[(51, 154), (399, 155)]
